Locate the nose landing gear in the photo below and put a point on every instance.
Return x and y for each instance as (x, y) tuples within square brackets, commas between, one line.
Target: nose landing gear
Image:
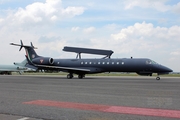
[(157, 78)]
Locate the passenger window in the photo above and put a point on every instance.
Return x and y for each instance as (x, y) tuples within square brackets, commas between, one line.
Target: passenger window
[(107, 62), (117, 63), (81, 63), (122, 63), (112, 62), (89, 62), (85, 62), (99, 62)]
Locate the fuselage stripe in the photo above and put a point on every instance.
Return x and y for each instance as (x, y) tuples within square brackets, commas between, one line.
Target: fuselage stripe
[(27, 54)]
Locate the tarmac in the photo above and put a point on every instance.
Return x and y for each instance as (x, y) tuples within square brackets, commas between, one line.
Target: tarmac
[(92, 98)]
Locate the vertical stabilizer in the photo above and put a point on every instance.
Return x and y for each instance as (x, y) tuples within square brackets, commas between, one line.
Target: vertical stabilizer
[(30, 52)]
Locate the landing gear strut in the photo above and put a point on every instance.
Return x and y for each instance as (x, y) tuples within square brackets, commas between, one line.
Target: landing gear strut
[(70, 76), (158, 78)]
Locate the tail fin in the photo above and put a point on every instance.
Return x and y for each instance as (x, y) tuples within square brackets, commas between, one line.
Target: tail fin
[(30, 52)]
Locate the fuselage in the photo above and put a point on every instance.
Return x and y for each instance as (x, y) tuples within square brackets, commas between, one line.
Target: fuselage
[(142, 66), (138, 65)]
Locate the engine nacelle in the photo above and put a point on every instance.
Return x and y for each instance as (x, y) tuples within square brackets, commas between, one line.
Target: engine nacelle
[(43, 60)]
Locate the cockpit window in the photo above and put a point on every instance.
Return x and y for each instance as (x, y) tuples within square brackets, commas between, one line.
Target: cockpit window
[(151, 62), (148, 62)]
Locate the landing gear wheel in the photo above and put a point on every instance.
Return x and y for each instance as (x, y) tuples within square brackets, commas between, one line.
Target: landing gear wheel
[(157, 78), (69, 76), (80, 76)]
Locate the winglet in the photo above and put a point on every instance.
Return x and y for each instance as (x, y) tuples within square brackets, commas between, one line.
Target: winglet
[(21, 45), (33, 46)]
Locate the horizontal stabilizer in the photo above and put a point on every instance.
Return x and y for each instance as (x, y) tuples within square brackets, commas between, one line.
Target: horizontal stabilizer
[(21, 45)]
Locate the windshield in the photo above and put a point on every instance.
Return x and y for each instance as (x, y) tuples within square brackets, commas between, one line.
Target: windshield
[(151, 62)]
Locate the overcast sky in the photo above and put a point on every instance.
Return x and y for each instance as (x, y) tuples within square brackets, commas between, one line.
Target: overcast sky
[(138, 28)]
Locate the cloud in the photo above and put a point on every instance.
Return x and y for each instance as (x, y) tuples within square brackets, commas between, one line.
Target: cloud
[(145, 36), (155, 4), (121, 37), (89, 30), (53, 24), (1, 20), (173, 32), (72, 11), (3, 1), (39, 12), (75, 28), (147, 32), (175, 53), (46, 39), (176, 8), (138, 31)]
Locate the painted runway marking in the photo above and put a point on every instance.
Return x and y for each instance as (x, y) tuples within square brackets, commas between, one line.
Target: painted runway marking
[(110, 109), (25, 118)]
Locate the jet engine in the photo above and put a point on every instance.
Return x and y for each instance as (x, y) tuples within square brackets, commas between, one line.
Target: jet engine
[(43, 61)]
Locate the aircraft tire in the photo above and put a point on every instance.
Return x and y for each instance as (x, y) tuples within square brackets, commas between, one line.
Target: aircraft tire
[(69, 76), (157, 78), (80, 76)]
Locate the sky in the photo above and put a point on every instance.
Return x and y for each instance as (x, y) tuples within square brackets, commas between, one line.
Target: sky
[(137, 28)]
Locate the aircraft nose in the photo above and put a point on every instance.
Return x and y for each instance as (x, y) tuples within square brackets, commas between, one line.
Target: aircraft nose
[(162, 69), (165, 69), (169, 70)]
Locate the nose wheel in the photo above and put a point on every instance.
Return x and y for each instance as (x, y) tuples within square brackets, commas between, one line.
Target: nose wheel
[(158, 78)]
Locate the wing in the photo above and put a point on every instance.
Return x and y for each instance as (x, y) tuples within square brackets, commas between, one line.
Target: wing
[(12, 68), (63, 68), (66, 69), (9, 70)]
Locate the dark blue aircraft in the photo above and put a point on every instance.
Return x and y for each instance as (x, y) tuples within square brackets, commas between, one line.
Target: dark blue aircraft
[(141, 66)]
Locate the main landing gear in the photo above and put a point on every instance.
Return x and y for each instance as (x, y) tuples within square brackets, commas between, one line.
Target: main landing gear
[(70, 76), (80, 76)]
